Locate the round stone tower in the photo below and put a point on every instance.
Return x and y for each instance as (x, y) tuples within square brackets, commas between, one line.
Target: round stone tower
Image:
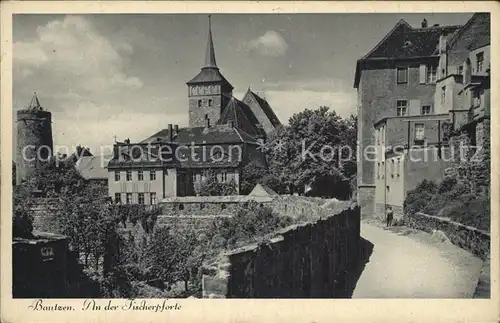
[(34, 140)]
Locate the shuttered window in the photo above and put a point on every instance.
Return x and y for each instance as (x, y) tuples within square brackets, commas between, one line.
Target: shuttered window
[(402, 75)]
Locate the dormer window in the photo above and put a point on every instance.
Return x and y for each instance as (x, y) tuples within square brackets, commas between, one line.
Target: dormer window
[(407, 43)]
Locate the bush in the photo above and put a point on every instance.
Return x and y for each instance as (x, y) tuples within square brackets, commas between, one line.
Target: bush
[(473, 212), (449, 199), (247, 226), (447, 184)]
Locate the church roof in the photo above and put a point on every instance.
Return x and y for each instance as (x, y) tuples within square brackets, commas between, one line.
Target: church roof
[(210, 71), (209, 75), (241, 115), (264, 105), (210, 51)]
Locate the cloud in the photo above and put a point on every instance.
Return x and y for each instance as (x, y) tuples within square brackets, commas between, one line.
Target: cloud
[(71, 49), (82, 77), (270, 44)]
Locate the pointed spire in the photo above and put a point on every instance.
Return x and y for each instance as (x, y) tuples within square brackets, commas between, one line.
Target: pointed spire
[(35, 104), (210, 53)]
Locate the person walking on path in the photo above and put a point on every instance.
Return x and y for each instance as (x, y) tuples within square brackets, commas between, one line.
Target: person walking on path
[(390, 216)]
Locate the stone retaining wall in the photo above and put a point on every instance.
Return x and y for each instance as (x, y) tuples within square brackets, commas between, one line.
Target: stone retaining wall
[(310, 260), (465, 237)]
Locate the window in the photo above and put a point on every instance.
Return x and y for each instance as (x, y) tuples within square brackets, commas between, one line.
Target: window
[(399, 167), (152, 198), (402, 75), (199, 103), (129, 198), (181, 207), (461, 70), (378, 170), (118, 198), (431, 74), (383, 170), (443, 94), (129, 175), (479, 62), (425, 110), (224, 176), (152, 175), (117, 176), (476, 99), (401, 107), (392, 167), (140, 175), (419, 131), (141, 198), (210, 103)]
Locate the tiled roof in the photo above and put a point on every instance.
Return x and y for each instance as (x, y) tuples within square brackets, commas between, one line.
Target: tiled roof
[(92, 167), (482, 31), (208, 75), (241, 115), (406, 42), (266, 108), (215, 134)]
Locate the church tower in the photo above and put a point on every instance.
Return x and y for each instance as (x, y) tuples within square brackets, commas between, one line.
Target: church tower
[(208, 92)]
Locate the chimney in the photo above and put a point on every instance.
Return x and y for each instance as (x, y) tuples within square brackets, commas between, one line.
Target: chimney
[(207, 122), (424, 23), (176, 128), (170, 133)]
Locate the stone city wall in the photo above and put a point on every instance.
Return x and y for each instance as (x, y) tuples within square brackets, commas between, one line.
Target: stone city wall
[(463, 236), (301, 261)]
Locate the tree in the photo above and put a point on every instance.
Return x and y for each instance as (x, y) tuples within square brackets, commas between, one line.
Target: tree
[(22, 217), (212, 186), (317, 150)]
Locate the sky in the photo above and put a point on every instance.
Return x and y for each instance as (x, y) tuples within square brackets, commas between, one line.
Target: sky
[(124, 75)]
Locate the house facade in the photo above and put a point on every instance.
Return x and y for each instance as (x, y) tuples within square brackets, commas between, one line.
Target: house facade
[(411, 97)]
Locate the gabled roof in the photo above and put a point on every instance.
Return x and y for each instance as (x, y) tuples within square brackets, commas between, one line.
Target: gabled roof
[(264, 105), (262, 190), (406, 42), (241, 115), (482, 32), (92, 167)]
